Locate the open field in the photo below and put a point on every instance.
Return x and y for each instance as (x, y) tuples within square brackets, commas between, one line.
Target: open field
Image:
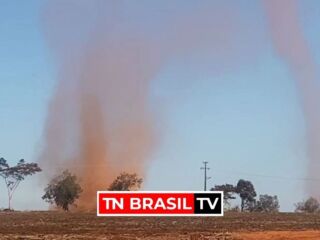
[(57, 225)]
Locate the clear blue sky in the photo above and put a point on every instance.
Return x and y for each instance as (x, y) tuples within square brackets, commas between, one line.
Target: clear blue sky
[(246, 122)]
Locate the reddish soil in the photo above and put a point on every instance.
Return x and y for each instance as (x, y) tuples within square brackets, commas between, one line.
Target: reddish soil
[(233, 226)]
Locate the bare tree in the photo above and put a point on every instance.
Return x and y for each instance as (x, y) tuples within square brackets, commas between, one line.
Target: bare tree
[(14, 175)]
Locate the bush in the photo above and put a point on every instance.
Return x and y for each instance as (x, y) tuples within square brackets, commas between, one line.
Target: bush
[(267, 203), (311, 205), (126, 182)]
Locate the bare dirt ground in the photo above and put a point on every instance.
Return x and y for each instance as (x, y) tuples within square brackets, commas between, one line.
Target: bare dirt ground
[(233, 226)]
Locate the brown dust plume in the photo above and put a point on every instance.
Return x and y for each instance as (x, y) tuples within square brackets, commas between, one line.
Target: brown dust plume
[(290, 42), (100, 121)]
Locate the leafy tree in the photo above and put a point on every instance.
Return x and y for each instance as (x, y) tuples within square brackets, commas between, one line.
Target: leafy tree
[(228, 191), (126, 182), (267, 203), (311, 205), (63, 190), (247, 193), (14, 175)]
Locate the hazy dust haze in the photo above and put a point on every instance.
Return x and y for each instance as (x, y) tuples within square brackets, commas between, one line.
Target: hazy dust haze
[(100, 121), (292, 46)]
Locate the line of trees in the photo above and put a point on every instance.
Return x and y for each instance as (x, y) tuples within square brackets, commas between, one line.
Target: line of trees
[(247, 193), (265, 203), (64, 189)]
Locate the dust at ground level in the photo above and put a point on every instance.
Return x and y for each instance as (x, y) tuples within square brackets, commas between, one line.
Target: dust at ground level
[(233, 226)]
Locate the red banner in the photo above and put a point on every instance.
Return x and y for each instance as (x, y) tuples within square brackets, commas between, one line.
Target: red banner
[(159, 203)]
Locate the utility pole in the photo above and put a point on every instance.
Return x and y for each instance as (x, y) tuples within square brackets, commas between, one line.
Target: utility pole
[(205, 168)]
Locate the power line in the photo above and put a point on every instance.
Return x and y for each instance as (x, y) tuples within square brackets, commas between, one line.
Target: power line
[(269, 176), (223, 172), (205, 168)]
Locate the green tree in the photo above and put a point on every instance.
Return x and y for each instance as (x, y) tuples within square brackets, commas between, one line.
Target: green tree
[(228, 191), (267, 203), (126, 182), (63, 190), (14, 175), (247, 193), (311, 205)]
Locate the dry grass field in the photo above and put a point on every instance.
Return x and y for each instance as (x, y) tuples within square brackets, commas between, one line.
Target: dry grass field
[(233, 226)]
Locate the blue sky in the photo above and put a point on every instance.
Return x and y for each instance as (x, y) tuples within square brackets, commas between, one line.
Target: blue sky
[(247, 122)]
